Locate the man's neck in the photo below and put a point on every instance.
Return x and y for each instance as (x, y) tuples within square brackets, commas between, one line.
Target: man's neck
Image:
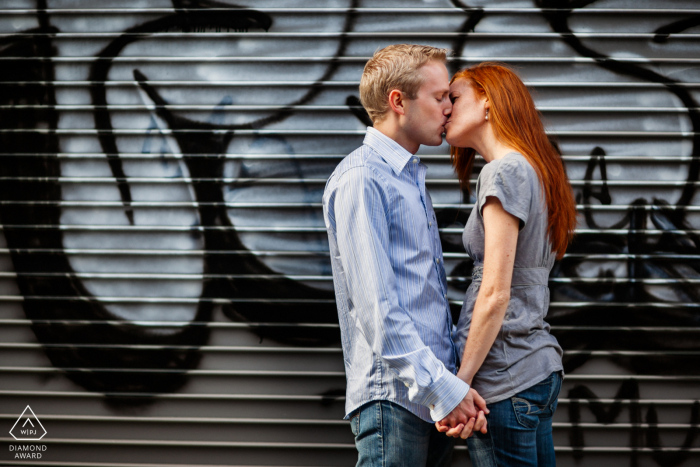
[(389, 127)]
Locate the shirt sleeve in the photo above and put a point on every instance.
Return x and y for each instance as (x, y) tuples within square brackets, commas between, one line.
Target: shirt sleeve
[(362, 231), (507, 179)]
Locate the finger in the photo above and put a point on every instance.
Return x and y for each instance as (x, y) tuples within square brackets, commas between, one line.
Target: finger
[(484, 429), (454, 432), (441, 428), (459, 415), (468, 429), (480, 402), (480, 422)]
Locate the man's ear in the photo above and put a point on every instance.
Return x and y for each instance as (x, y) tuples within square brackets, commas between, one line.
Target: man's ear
[(396, 102)]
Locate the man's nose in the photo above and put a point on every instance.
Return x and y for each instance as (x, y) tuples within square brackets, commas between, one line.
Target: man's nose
[(448, 109)]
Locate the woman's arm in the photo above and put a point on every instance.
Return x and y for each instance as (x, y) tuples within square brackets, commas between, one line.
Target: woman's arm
[(501, 238)]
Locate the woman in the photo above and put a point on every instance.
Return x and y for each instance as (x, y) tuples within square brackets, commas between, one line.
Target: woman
[(523, 219)]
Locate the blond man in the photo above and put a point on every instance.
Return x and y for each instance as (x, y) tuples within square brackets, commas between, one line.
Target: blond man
[(388, 273)]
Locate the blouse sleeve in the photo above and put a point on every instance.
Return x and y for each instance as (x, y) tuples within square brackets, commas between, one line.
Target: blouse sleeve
[(509, 180)]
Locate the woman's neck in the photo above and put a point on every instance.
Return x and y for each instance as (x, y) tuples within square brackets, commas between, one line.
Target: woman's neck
[(491, 148)]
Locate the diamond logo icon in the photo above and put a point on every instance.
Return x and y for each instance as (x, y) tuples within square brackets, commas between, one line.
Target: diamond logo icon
[(28, 427)]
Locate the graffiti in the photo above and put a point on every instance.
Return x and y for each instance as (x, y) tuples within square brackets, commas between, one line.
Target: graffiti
[(671, 254), (648, 243), (632, 301), (629, 390), (202, 146)]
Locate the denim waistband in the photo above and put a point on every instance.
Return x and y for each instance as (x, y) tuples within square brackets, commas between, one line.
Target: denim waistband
[(521, 276)]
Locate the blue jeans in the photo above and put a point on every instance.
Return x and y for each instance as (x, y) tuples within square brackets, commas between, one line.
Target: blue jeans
[(519, 429), (387, 435)]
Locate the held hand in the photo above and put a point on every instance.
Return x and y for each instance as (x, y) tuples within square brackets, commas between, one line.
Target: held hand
[(465, 410), (465, 431), (468, 416), (479, 401)]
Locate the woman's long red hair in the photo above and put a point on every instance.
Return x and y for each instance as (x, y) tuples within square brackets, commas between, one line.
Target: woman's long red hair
[(517, 123)]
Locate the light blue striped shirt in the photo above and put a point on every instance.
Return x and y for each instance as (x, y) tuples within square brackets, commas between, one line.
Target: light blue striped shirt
[(390, 283)]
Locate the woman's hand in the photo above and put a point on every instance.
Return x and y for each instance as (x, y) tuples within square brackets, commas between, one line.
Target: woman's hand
[(465, 431)]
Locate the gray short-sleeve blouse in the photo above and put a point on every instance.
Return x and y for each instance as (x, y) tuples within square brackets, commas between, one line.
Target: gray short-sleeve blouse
[(524, 352)]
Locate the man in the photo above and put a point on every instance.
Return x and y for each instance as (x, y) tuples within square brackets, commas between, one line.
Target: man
[(388, 271)]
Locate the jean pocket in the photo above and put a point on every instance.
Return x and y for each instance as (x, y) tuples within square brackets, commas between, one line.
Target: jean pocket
[(355, 424), (554, 398), (526, 413)]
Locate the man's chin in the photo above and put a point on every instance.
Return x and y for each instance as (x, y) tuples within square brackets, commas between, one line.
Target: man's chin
[(434, 142)]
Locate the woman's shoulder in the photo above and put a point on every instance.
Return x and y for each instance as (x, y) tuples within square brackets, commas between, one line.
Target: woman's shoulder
[(513, 166), (515, 161)]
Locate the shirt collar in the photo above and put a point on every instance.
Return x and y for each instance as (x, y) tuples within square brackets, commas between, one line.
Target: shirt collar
[(392, 152)]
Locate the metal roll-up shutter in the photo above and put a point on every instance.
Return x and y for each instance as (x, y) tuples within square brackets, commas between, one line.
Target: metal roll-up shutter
[(166, 293)]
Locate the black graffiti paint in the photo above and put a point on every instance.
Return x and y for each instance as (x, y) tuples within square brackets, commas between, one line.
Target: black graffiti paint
[(237, 19), (667, 216), (640, 436), (355, 106), (290, 301), (557, 14), (125, 369), (646, 259), (663, 33), (474, 15), (34, 155)]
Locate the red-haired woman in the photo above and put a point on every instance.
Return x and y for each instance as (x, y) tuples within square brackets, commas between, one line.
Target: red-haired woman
[(523, 219)]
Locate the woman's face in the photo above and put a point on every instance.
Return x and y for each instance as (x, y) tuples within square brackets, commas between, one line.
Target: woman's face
[(467, 119)]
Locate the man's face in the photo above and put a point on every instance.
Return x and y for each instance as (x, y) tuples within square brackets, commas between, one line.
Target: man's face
[(427, 113)]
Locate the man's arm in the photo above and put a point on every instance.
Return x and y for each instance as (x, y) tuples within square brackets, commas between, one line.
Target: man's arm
[(360, 205)]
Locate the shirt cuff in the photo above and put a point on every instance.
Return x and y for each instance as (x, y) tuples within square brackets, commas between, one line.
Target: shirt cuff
[(447, 392)]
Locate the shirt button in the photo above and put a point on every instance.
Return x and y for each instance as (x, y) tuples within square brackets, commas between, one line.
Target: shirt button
[(430, 224), (407, 385), (415, 161), (437, 260), (432, 406)]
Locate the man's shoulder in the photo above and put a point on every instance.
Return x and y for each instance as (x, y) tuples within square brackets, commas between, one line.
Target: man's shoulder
[(363, 162)]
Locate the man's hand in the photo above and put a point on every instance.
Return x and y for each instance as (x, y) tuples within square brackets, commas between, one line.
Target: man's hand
[(465, 431), (467, 417)]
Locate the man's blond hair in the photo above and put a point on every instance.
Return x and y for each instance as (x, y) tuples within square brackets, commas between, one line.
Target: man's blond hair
[(394, 67)]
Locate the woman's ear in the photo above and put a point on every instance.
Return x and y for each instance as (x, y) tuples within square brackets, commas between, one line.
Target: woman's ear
[(396, 102)]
